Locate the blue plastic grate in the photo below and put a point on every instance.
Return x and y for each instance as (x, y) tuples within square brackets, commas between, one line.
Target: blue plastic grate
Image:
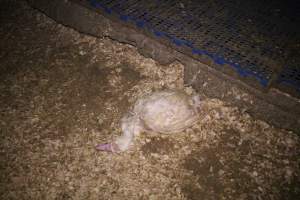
[(249, 36), (290, 75)]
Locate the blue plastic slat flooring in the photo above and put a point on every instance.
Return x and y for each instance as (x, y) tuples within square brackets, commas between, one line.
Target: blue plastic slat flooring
[(256, 38)]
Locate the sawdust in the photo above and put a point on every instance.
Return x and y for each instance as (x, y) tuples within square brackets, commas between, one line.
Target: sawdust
[(63, 92)]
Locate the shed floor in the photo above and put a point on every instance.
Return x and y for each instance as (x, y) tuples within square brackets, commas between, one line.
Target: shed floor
[(62, 92)]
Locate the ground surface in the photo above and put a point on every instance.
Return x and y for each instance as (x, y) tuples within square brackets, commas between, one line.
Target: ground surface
[(62, 92)]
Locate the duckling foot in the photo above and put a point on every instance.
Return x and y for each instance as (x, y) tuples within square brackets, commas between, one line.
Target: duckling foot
[(109, 147)]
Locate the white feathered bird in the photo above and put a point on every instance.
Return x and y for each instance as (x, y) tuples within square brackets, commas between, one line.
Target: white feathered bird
[(168, 111)]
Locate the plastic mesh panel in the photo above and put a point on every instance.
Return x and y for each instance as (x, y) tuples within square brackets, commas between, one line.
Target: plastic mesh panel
[(290, 75), (249, 36)]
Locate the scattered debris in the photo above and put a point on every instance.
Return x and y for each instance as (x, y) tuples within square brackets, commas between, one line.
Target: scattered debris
[(61, 92)]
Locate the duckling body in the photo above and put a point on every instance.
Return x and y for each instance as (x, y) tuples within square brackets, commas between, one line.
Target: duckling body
[(168, 111)]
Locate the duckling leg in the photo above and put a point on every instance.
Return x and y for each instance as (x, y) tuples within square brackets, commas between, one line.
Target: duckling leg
[(130, 128), (109, 147)]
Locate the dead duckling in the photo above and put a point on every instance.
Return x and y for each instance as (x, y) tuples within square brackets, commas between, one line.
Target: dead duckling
[(167, 111)]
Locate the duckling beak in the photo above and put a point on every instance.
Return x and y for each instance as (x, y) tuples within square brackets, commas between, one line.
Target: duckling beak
[(108, 147)]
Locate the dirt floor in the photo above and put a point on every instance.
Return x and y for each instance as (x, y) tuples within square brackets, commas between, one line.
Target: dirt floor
[(62, 92)]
